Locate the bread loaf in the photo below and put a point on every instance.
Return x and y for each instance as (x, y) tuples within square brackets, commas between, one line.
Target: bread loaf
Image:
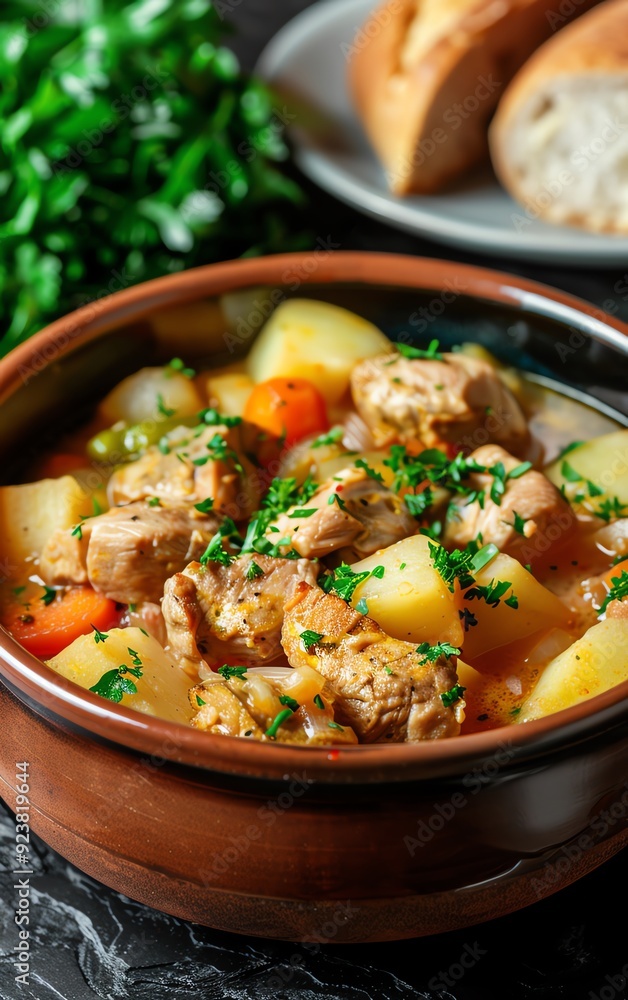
[(559, 141), (426, 76)]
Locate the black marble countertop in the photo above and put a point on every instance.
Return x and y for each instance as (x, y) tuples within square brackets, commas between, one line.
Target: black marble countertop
[(89, 942)]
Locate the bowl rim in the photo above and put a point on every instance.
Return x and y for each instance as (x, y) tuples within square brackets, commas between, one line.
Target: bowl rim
[(49, 694)]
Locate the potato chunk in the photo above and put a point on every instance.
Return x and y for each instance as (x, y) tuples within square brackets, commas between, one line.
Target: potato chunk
[(411, 600), (317, 341), (590, 666), (31, 512), (162, 689), (498, 626), (602, 461)]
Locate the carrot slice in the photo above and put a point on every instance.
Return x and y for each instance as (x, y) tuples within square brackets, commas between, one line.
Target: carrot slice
[(46, 629), (288, 408)]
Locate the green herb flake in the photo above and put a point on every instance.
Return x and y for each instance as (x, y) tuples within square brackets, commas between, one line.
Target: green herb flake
[(154, 502), (361, 463), (177, 365), (204, 506), (213, 418), (254, 571), (430, 654), (310, 638), (98, 635), (618, 590), (332, 437), (334, 725), (454, 694), (77, 531), (162, 409), (415, 353), (334, 498), (318, 701), (285, 699), (48, 596), (228, 672), (362, 607), (279, 719), (303, 512), (199, 701)]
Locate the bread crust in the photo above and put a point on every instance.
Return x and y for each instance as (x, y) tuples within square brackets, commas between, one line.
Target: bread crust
[(428, 122)]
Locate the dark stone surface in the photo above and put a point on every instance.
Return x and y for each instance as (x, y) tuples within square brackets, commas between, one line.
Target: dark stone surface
[(89, 942)]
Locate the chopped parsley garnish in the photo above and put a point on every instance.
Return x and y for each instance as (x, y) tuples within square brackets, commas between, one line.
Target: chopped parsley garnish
[(343, 581), (213, 418), (177, 365), (204, 506), (378, 572), (48, 596), (362, 607), (569, 473), (164, 445), (154, 502), (303, 512), (254, 570), (512, 601), (612, 508), (454, 694), (332, 437), (467, 618), (492, 593), (570, 447), (361, 463), (162, 409), (617, 592), (419, 503), (430, 654), (515, 711), (285, 699), (216, 552), (318, 701), (228, 672), (389, 671), (431, 354), (98, 635), (77, 531), (219, 451), (271, 732), (114, 683), (199, 701), (135, 657), (334, 498), (310, 638), (518, 524), (334, 725)]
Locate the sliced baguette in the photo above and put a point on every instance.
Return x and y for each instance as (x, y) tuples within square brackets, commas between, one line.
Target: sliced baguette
[(426, 76), (559, 141)]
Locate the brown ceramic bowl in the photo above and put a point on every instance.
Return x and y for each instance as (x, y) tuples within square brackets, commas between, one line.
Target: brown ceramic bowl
[(363, 844)]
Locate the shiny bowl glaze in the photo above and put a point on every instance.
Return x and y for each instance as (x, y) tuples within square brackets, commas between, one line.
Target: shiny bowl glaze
[(361, 844)]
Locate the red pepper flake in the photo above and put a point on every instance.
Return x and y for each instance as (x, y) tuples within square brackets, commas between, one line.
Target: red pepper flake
[(333, 755)]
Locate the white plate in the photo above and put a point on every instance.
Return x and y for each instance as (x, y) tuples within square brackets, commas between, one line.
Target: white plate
[(307, 59)]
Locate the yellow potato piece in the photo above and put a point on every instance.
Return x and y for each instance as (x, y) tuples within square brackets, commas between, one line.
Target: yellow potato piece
[(593, 664), (162, 690), (412, 602), (498, 626), (602, 461), (316, 341), (228, 391), (31, 512)]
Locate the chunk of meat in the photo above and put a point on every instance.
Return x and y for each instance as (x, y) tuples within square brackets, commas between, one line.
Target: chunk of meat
[(530, 521), (247, 707), (365, 517), (217, 613), (129, 552), (189, 466), (383, 689), (460, 400)]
